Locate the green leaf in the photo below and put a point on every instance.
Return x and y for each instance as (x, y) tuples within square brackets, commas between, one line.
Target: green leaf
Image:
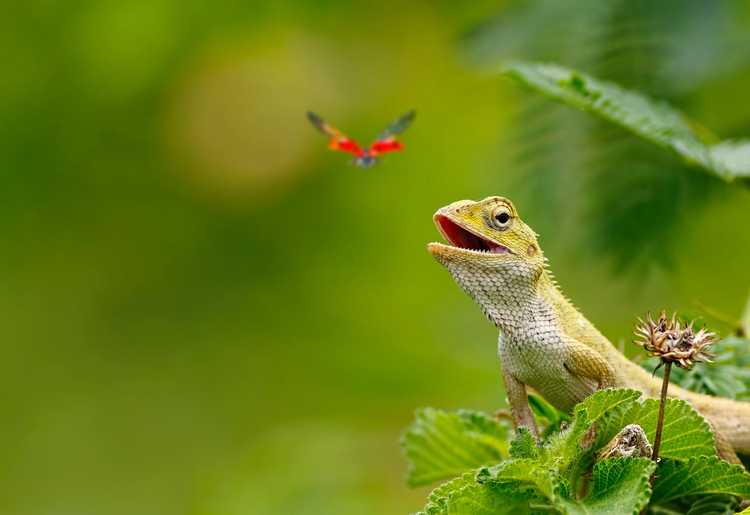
[(466, 496), (699, 476), (575, 448), (547, 416), (442, 444), (733, 156), (437, 501), (620, 485), (719, 504), (523, 472), (523, 445), (603, 402), (567, 446), (545, 410), (651, 120), (686, 433)]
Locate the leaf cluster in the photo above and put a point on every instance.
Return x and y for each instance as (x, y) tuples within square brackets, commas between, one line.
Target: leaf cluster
[(562, 474)]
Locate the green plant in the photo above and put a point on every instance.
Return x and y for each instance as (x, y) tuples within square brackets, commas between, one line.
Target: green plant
[(580, 465), (563, 474)]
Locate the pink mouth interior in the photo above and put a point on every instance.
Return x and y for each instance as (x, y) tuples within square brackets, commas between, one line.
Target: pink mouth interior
[(460, 237)]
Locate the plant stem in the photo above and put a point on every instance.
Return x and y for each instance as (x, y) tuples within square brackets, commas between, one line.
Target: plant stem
[(662, 403)]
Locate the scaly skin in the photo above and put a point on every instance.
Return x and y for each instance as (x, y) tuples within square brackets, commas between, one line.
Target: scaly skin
[(545, 342)]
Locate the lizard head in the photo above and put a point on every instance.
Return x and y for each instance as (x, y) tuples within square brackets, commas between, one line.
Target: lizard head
[(489, 231), (487, 241)]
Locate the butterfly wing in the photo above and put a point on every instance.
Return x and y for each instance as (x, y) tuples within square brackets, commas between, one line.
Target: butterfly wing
[(398, 125), (387, 141), (338, 140)]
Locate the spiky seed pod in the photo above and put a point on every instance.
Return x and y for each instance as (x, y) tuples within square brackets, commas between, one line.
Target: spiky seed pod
[(674, 343)]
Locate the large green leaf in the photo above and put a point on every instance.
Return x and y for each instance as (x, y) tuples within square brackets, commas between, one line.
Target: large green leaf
[(699, 476), (686, 433), (524, 472), (603, 403), (620, 486), (570, 446), (651, 120), (466, 496), (602, 415), (441, 445)]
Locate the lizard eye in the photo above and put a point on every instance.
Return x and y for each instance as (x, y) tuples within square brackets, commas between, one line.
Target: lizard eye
[(502, 218)]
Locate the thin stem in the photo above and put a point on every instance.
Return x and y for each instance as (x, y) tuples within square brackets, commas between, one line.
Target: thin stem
[(662, 403)]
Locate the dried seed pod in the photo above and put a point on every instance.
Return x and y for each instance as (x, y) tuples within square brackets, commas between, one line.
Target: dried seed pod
[(674, 343)]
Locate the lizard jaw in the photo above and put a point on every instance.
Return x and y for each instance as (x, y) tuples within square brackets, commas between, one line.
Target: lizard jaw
[(461, 239)]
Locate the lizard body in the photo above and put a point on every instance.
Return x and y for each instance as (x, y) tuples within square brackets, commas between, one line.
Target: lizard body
[(545, 343)]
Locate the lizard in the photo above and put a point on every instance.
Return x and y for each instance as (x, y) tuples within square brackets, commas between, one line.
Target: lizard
[(545, 343)]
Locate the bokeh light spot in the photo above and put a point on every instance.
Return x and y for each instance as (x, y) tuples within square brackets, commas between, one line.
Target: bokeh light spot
[(237, 123)]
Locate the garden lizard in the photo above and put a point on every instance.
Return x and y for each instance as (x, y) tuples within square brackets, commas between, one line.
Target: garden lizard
[(545, 343)]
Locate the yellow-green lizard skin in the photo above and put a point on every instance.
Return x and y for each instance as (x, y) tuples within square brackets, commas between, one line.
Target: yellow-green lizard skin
[(545, 342)]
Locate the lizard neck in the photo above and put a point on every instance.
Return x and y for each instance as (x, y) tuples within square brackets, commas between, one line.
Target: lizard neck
[(510, 295), (521, 303)]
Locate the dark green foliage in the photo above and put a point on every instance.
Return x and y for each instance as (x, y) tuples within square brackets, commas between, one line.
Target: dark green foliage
[(720, 504), (619, 180), (550, 418)]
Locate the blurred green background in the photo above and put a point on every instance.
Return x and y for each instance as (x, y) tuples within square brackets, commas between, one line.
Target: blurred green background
[(206, 312)]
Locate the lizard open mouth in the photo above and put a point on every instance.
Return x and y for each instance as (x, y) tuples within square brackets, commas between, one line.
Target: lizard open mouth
[(464, 239)]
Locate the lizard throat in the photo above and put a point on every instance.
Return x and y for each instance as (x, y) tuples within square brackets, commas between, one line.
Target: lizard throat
[(462, 238)]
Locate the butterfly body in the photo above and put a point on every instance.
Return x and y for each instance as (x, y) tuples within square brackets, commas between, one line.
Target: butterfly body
[(366, 160), (364, 157)]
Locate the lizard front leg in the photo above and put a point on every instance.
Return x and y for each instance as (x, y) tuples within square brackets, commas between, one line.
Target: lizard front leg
[(583, 361), (519, 403)]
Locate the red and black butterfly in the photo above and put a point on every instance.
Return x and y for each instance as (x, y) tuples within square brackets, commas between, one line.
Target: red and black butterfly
[(364, 157)]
